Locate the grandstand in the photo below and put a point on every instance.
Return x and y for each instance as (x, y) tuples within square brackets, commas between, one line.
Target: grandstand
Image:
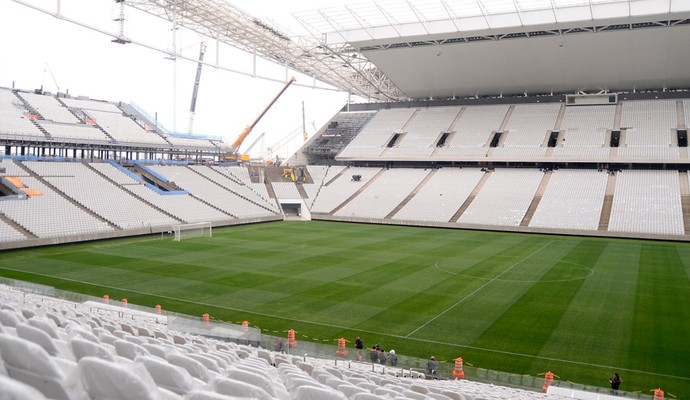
[(481, 123)]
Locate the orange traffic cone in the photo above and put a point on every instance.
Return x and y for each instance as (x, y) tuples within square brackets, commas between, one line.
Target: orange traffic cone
[(124, 301), (342, 351), (205, 318), (458, 373), (658, 394), (106, 299), (548, 380), (291, 339), (158, 309)]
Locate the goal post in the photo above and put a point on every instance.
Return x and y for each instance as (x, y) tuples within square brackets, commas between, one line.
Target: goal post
[(197, 229)]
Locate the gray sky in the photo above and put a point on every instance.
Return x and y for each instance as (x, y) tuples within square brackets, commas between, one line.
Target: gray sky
[(86, 63)]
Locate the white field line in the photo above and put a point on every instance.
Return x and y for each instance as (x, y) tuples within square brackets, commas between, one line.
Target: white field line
[(510, 353), (476, 290)]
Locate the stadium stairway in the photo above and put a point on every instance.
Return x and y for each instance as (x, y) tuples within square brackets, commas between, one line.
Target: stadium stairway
[(300, 189), (618, 116), (536, 199), (411, 195), (336, 177), (112, 182), (559, 120), (27, 106), (506, 118), (149, 177), (80, 117), (680, 114), (9, 221), (608, 203), (685, 199), (470, 198), (66, 197), (363, 188), (230, 190), (42, 129), (404, 128), (228, 174)]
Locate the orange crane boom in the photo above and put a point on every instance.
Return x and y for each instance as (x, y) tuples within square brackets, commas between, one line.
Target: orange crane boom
[(238, 142)]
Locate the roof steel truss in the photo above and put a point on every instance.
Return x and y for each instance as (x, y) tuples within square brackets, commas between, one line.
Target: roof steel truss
[(340, 66)]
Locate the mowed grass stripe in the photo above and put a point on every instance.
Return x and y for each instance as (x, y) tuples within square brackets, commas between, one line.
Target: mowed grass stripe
[(527, 323), (661, 288), (329, 280)]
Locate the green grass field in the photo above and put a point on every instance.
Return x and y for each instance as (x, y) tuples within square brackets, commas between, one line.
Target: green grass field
[(580, 307)]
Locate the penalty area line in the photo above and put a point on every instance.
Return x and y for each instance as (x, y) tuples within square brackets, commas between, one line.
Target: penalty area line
[(349, 328)]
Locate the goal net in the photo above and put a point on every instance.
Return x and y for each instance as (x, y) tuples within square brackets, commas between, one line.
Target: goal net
[(197, 229)]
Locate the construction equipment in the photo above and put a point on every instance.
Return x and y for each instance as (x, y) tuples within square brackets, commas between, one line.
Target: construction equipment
[(195, 89), (245, 154), (238, 142)]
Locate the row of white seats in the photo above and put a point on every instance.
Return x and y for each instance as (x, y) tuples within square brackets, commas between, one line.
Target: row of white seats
[(49, 108), (504, 198), (438, 200), (64, 351), (377, 132), (572, 200), (647, 202), (336, 192), (648, 123), (651, 121), (587, 126), (384, 194), (221, 176), (99, 195), (320, 176), (124, 129), (529, 124), (211, 192), (50, 215), (13, 123)]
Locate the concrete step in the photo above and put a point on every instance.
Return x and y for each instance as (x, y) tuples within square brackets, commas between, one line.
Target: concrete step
[(68, 198), (608, 203), (536, 199), (470, 198), (363, 188), (412, 194)]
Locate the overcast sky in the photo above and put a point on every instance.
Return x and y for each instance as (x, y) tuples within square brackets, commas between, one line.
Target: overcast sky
[(86, 63)]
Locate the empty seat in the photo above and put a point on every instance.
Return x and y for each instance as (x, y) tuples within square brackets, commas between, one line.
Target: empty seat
[(255, 379), (15, 390), (37, 336), (46, 325), (129, 350), (316, 393), (28, 362), (171, 377), (85, 348), (105, 380), (194, 367), (367, 396), (237, 388), (9, 318), (206, 395)]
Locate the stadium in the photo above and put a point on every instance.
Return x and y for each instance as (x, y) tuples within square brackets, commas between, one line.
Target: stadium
[(503, 186)]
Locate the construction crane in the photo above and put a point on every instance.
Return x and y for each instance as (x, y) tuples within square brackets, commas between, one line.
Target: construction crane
[(50, 71), (195, 90), (238, 142), (245, 154)]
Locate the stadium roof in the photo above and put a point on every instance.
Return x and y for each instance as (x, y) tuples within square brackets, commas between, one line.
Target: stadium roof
[(221, 20), (447, 48), (417, 49)]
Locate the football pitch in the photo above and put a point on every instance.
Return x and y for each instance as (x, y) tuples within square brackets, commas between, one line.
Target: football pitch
[(583, 308)]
